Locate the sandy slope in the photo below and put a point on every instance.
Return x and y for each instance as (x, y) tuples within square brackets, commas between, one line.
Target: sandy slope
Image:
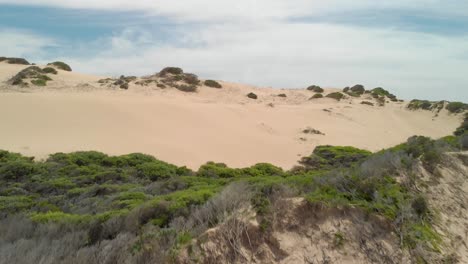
[(75, 113)]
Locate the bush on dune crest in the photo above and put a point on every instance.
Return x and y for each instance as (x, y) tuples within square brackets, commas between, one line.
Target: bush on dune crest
[(20, 61), (61, 65)]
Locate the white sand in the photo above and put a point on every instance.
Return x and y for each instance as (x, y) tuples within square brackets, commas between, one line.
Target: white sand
[(75, 113)]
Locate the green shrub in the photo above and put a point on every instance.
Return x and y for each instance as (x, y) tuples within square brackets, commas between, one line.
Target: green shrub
[(191, 79), (171, 70), (20, 61), (217, 170), (49, 70), (463, 128), (358, 89), (419, 104), (282, 95), (315, 88), (336, 95), (186, 88), (60, 65), (156, 170), (17, 170), (316, 96), (367, 103), (325, 157), (263, 169), (456, 107), (252, 96), (39, 82), (213, 84)]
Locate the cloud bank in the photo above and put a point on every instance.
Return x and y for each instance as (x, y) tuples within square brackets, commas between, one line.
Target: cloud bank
[(271, 43)]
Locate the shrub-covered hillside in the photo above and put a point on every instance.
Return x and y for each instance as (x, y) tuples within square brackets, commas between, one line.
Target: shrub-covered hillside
[(88, 207)]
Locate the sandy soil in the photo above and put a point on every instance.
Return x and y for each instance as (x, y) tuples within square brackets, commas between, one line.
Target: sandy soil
[(75, 113)]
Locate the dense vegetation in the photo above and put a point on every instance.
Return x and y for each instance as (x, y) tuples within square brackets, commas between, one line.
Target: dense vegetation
[(135, 203)]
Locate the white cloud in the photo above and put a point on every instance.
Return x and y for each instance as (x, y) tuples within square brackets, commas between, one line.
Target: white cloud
[(296, 55), (21, 43), (252, 41), (209, 10)]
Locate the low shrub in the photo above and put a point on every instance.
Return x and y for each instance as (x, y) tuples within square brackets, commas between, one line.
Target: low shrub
[(456, 107), (315, 88), (156, 170), (186, 88), (463, 128), (160, 85), (213, 84), (367, 103), (171, 70), (252, 96), (191, 79), (358, 89), (312, 131), (39, 82), (20, 61), (316, 96), (61, 65), (336, 95), (217, 170), (49, 70), (282, 95), (326, 157)]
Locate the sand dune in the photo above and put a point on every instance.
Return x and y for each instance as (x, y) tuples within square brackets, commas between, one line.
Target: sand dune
[(76, 113)]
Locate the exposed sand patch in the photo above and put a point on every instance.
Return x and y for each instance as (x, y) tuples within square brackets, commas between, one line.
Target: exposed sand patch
[(75, 113)]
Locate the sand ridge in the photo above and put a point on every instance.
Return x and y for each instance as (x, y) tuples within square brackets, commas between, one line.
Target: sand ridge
[(76, 113)]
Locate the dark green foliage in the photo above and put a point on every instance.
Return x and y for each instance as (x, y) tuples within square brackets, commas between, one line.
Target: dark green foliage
[(358, 89), (336, 95), (380, 92), (156, 170), (463, 128), (49, 70), (420, 206), (60, 65), (316, 96), (456, 107), (325, 157), (315, 88), (171, 70), (252, 96), (191, 79), (213, 84), (282, 95), (186, 88), (426, 105), (20, 61), (367, 103), (217, 170), (33, 72)]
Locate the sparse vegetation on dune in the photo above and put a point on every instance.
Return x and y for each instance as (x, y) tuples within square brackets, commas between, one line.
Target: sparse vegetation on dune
[(457, 107), (34, 74), (60, 65)]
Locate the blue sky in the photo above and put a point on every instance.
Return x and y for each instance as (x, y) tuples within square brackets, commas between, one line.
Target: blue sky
[(417, 49)]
